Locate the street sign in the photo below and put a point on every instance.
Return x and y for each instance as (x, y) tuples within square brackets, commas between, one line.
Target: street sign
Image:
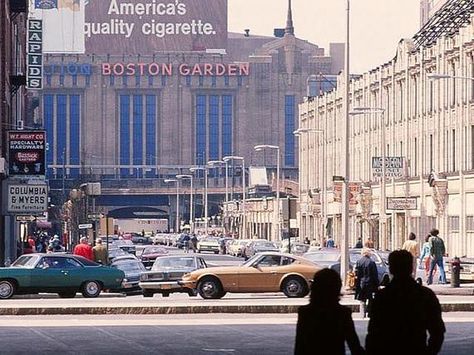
[(394, 167), (95, 216), (25, 198), (85, 226), (401, 203), (25, 218)]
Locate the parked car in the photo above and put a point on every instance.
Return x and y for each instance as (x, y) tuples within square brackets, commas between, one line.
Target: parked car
[(296, 248), (133, 268), (166, 272), (140, 239), (149, 255), (209, 244), (265, 272), (63, 274), (238, 246), (331, 258), (258, 246)]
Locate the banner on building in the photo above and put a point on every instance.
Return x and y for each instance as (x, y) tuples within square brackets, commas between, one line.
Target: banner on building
[(34, 50), (26, 153), (394, 167), (63, 24), (26, 198), (354, 191), (401, 203), (144, 27)]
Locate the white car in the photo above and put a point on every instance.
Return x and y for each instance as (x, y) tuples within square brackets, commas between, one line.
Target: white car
[(208, 244)]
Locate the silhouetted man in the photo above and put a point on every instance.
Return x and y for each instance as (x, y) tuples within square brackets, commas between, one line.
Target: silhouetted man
[(402, 314)]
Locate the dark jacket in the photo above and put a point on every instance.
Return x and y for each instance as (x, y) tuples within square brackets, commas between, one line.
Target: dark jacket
[(401, 315), (324, 330), (367, 280)]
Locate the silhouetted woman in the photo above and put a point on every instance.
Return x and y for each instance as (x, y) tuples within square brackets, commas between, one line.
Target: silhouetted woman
[(324, 325)]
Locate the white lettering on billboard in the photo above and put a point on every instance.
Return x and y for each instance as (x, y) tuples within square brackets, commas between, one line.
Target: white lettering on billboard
[(394, 167)]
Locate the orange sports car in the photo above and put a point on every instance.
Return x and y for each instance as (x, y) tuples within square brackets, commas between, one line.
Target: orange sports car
[(265, 272)]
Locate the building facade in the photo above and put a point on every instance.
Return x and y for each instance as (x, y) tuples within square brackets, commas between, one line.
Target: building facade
[(150, 116), (428, 8), (13, 98), (425, 125)]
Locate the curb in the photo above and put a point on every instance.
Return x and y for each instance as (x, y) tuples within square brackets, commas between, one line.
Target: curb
[(256, 309)]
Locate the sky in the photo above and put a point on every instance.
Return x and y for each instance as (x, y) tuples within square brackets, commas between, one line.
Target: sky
[(376, 25)]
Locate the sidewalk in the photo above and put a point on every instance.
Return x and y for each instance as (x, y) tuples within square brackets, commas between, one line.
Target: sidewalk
[(446, 290)]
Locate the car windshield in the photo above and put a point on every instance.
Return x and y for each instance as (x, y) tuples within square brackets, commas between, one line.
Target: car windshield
[(251, 260), (354, 257), (265, 245), (154, 251), (178, 263), (323, 257), (210, 240), (128, 266), (25, 261)]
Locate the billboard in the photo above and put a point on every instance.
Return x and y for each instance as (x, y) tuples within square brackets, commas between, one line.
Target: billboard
[(144, 27), (26, 198), (26, 153), (394, 167), (63, 24)]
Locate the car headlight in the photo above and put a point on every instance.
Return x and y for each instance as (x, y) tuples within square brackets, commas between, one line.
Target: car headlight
[(125, 280)]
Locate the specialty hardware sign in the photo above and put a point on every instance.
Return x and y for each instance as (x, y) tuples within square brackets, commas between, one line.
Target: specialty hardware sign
[(26, 198), (26, 153)]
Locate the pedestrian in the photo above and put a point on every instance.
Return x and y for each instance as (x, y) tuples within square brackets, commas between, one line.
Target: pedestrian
[(358, 245), (56, 243), (425, 257), (307, 241), (369, 243), (411, 246), (367, 281), (330, 243), (402, 314), (437, 252), (194, 241), (186, 239), (324, 325), (84, 249), (100, 252)]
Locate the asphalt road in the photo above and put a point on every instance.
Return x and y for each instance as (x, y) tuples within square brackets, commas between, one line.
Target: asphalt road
[(200, 334)]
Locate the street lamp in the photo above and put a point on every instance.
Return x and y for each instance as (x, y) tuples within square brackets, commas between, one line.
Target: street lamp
[(191, 195), (383, 189), (204, 168), (244, 188), (298, 133), (262, 147), (177, 200)]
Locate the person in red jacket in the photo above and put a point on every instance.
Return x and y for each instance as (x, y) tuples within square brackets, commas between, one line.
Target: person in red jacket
[(84, 249)]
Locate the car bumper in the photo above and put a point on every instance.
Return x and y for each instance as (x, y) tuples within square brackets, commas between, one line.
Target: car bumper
[(187, 284), (208, 248), (171, 286)]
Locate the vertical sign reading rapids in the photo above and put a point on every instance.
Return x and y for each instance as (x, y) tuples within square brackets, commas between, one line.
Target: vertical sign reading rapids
[(145, 27)]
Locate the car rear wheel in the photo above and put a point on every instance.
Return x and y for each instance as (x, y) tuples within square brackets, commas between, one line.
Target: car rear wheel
[(295, 287), (7, 289), (165, 294), (91, 289), (147, 293), (70, 294), (210, 288)]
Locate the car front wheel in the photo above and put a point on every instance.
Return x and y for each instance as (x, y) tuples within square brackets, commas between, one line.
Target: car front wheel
[(91, 289), (210, 288), (147, 293), (295, 287), (7, 289)]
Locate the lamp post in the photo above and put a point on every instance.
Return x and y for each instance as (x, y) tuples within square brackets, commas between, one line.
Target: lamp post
[(177, 201), (204, 168), (191, 204), (262, 147), (298, 133), (383, 242), (244, 193), (345, 192), (211, 163)]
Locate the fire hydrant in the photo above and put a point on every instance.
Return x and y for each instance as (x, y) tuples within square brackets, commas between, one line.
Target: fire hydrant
[(455, 272)]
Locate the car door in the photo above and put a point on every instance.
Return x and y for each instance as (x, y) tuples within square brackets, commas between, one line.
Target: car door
[(48, 273), (259, 276)]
